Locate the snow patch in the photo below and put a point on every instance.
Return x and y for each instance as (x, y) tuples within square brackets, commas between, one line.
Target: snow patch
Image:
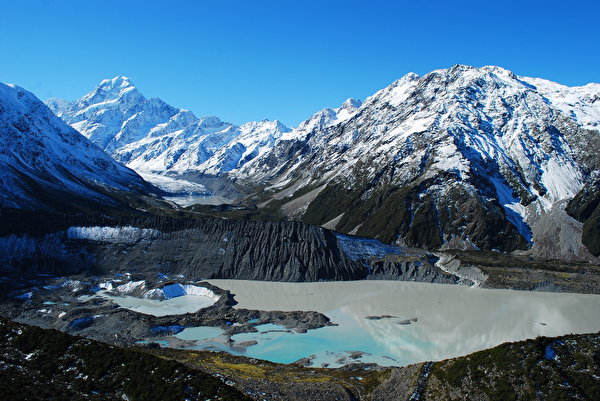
[(130, 287), (178, 290), (515, 212), (175, 186), (562, 180)]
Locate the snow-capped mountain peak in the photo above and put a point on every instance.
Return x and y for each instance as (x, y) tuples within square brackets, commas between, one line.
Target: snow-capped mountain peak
[(350, 105), (117, 90), (324, 118), (152, 137), (347, 109), (120, 81), (582, 103), (212, 122), (482, 135), (114, 87)]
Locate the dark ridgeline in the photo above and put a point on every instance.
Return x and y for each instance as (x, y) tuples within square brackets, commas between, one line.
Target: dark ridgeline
[(200, 248), (585, 207)]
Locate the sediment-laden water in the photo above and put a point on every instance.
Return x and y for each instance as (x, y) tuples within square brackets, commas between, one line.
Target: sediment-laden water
[(398, 323)]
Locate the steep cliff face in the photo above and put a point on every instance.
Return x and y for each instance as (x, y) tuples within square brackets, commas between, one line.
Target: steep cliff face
[(585, 207), (272, 251), (283, 251)]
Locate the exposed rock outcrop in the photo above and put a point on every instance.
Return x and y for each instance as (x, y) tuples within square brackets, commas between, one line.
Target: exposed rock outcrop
[(585, 207), (207, 248)]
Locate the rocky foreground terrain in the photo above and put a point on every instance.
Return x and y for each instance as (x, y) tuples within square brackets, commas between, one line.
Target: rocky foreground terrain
[(540, 369), (47, 364)]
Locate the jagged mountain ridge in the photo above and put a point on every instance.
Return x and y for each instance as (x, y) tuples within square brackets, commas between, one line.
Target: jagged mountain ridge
[(467, 156), (475, 154), (150, 136), (47, 165)]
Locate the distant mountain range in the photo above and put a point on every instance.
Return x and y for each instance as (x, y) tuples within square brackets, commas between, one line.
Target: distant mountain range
[(462, 157), (150, 136)]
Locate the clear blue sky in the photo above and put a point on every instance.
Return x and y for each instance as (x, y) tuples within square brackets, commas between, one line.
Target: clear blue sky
[(251, 59)]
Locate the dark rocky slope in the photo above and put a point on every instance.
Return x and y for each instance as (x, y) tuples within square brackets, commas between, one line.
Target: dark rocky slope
[(585, 207), (38, 364), (47, 165), (206, 248), (564, 368), (417, 216), (277, 251)]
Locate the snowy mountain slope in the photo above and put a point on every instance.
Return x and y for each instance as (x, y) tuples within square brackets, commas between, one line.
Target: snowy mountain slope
[(325, 118), (461, 155), (582, 103), (474, 153), (45, 164), (152, 137), (57, 105), (207, 146), (114, 113), (255, 139)]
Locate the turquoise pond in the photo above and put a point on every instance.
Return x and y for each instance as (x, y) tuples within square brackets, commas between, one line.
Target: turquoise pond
[(163, 343), (205, 332), (331, 346), (422, 321)]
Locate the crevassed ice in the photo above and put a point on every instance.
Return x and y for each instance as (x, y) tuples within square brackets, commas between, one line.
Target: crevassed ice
[(125, 234), (177, 290), (357, 248)]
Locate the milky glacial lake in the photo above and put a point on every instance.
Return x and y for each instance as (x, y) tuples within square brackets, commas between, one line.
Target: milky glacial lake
[(156, 307), (188, 200), (445, 320)]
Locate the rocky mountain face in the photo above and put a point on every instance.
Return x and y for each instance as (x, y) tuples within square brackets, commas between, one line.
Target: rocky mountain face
[(150, 136), (585, 207), (204, 248), (47, 165), (215, 248), (464, 155)]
